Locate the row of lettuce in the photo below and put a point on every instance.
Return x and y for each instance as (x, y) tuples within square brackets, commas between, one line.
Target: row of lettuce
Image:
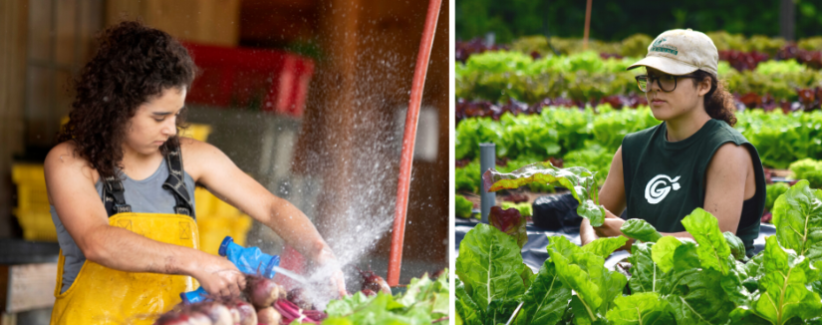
[(585, 77), (707, 280), (635, 45), (590, 139)]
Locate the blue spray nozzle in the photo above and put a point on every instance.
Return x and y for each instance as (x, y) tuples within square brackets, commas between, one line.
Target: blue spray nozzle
[(224, 245), (194, 296), (249, 260)]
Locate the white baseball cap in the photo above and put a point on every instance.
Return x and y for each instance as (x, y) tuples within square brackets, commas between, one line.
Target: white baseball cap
[(681, 51)]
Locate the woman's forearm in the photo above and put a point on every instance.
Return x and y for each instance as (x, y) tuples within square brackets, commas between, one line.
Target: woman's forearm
[(124, 250), (296, 229)]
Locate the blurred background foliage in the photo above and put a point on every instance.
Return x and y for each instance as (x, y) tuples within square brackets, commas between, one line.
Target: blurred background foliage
[(616, 20)]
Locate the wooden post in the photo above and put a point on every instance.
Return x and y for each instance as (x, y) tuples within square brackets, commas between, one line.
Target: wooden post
[(340, 37), (587, 25), (787, 19), (13, 41)]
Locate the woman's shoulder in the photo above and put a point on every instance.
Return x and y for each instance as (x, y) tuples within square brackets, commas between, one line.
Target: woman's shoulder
[(197, 156), (65, 158)]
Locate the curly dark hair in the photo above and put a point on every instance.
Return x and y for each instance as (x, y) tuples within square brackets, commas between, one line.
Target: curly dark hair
[(719, 103), (133, 63)]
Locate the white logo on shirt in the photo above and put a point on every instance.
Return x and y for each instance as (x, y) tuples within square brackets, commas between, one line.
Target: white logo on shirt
[(654, 193)]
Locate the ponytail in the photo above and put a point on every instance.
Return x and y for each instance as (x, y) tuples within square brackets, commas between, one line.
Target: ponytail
[(719, 103)]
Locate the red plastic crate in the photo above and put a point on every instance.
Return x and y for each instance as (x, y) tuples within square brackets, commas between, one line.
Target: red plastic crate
[(277, 81)]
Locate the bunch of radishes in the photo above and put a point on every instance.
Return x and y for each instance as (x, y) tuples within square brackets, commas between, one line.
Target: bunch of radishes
[(269, 304)]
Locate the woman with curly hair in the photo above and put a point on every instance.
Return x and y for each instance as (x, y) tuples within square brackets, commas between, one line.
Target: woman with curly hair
[(694, 159), (122, 199)]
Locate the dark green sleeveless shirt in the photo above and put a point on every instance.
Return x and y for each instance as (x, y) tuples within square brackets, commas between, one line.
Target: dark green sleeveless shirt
[(665, 181)]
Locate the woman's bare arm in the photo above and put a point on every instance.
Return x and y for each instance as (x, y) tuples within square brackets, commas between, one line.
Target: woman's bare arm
[(727, 177), (212, 168)]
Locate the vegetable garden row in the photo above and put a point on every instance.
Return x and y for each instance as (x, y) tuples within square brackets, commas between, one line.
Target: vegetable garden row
[(589, 139), (587, 78), (732, 47), (666, 280)]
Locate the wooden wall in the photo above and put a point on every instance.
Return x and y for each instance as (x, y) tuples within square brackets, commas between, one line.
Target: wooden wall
[(213, 22), (13, 23)]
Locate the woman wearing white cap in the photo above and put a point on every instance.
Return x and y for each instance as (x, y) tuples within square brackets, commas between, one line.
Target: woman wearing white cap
[(694, 158)]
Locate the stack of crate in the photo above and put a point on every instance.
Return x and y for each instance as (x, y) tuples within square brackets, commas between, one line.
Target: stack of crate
[(215, 218)]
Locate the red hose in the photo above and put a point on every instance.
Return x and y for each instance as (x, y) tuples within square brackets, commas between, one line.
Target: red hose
[(408, 140)]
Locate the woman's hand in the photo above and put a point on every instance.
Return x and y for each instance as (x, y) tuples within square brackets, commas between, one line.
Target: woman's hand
[(326, 259), (218, 276), (587, 234), (610, 226)]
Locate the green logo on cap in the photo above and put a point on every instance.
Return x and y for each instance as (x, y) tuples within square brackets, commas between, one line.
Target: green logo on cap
[(657, 47)]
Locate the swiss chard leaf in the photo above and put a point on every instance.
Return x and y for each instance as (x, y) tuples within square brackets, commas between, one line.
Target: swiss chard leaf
[(605, 246), (578, 180), (467, 309), (797, 215), (489, 264), (646, 275), (663, 251), (500, 311), (784, 294), (640, 309), (510, 222), (640, 229), (713, 250), (546, 300), (694, 293), (585, 272), (736, 245)]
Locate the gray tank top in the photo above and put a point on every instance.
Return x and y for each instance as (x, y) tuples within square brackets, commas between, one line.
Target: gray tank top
[(145, 196)]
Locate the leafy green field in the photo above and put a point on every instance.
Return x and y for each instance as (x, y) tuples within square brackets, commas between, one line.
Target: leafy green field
[(708, 280)]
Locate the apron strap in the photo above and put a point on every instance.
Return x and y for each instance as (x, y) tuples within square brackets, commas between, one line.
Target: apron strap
[(176, 184), (115, 201)]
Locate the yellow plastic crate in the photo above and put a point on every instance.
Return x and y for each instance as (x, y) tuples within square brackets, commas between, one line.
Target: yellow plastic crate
[(37, 225), (203, 201), (31, 187), (213, 229), (196, 131)]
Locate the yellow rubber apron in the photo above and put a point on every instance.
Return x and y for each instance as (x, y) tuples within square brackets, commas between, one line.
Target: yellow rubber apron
[(100, 295)]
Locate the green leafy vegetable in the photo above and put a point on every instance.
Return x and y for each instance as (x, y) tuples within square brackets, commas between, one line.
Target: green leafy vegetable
[(663, 252), (584, 271), (605, 246), (525, 208), (784, 288), (647, 276), (424, 301), (640, 309), (641, 230), (464, 208), (774, 191), (713, 250), (736, 245), (576, 179), (546, 300), (808, 169), (489, 265), (798, 218)]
